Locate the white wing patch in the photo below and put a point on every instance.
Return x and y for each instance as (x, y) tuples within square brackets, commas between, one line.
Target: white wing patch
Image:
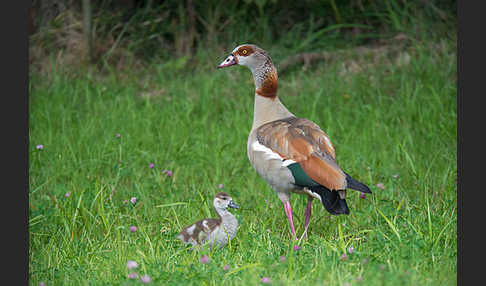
[(205, 225), (288, 162), (190, 230), (269, 154)]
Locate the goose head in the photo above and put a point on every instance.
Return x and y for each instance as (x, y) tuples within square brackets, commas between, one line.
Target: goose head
[(223, 201), (247, 55), (260, 64)]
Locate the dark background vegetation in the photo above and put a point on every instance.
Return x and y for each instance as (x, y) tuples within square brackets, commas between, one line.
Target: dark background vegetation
[(123, 33)]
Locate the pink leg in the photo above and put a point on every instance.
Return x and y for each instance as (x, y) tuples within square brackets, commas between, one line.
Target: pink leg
[(308, 212), (288, 212)]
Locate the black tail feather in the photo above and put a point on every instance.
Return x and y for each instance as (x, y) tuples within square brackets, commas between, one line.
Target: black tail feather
[(331, 200), (356, 185)]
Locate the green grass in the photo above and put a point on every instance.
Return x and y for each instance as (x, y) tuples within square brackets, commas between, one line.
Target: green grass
[(386, 120)]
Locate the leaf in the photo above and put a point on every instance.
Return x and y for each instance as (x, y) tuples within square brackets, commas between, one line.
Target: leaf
[(391, 225)]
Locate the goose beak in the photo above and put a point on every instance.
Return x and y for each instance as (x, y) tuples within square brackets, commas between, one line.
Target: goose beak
[(229, 61), (233, 205)]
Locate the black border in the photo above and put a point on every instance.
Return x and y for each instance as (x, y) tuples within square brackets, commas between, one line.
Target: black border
[(15, 141), (470, 121), (460, 63)]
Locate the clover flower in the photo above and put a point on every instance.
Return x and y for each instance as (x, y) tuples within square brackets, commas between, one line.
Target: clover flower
[(266, 280), (132, 264), (204, 259), (145, 279)]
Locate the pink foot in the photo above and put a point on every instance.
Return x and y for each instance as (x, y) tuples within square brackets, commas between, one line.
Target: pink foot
[(308, 212), (288, 212)]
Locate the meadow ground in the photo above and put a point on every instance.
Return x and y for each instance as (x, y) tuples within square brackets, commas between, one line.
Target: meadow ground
[(393, 127)]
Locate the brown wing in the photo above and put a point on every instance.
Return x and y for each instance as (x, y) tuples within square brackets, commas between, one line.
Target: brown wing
[(200, 230), (302, 141)]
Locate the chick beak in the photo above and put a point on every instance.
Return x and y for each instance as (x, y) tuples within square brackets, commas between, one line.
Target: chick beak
[(233, 205), (229, 61)]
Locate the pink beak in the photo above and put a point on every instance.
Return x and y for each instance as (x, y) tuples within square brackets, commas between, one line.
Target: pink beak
[(229, 61)]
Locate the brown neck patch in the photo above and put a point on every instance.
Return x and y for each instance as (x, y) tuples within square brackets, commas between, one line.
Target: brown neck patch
[(269, 86)]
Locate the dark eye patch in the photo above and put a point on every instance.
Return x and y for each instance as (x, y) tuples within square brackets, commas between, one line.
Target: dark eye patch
[(245, 51)]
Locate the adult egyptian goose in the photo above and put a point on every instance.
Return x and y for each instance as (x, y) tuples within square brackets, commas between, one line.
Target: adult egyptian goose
[(292, 154), (214, 231)]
